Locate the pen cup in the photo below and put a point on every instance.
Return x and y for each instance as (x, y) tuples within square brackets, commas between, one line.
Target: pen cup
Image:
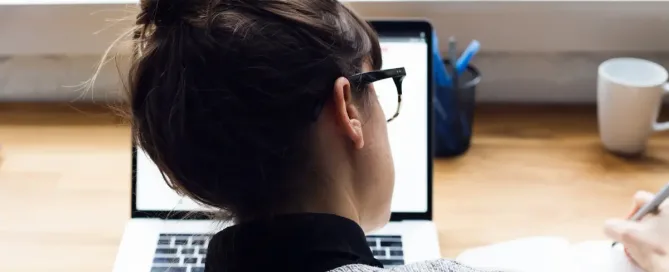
[(454, 113)]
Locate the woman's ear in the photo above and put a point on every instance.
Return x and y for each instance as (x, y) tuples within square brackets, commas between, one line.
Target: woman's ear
[(347, 113)]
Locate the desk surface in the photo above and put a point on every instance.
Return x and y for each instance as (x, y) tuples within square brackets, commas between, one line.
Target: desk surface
[(533, 170)]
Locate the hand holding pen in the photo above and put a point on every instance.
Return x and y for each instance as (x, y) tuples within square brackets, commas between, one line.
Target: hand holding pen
[(645, 235)]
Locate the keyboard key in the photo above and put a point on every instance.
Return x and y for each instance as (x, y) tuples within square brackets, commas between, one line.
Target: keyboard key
[(379, 252), (391, 262), (197, 269), (371, 243), (180, 242), (168, 269), (397, 237), (391, 243), (198, 242), (163, 260), (190, 260), (166, 250), (396, 253), (203, 261), (188, 251), (164, 242), (175, 235), (203, 251)]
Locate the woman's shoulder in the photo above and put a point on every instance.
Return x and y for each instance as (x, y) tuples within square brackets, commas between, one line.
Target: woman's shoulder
[(441, 265)]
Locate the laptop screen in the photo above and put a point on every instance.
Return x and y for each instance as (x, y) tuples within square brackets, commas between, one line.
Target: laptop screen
[(408, 134)]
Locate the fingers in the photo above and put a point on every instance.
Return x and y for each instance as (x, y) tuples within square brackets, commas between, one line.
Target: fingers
[(640, 199), (630, 233), (630, 254)]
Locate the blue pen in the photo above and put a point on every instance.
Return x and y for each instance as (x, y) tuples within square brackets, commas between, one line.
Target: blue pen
[(467, 55), (441, 75)]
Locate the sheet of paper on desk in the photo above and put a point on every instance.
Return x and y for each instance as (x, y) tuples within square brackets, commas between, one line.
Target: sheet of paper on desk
[(548, 254)]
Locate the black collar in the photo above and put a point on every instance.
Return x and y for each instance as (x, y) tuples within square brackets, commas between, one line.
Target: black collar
[(296, 243)]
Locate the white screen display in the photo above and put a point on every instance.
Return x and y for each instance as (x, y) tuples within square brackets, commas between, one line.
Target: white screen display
[(407, 133)]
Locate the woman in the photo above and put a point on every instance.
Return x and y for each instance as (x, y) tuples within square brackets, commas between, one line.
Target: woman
[(266, 110)]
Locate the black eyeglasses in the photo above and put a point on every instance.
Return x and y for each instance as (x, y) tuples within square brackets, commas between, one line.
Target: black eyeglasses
[(397, 74), (362, 79)]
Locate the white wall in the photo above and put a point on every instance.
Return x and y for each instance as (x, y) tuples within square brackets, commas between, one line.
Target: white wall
[(532, 51)]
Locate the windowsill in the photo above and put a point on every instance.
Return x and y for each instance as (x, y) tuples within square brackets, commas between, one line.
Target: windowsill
[(531, 51), (69, 27)]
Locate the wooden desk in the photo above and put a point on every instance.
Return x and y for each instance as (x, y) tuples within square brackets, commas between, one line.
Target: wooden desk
[(64, 183)]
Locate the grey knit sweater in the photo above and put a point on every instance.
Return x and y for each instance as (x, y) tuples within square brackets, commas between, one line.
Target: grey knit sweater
[(442, 265)]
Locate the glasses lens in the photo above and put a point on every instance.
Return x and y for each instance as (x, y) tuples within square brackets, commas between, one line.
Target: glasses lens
[(387, 95)]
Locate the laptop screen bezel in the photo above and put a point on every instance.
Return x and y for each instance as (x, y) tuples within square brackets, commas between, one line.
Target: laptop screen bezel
[(384, 28)]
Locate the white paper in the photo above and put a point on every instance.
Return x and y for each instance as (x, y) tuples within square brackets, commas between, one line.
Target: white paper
[(544, 254), (548, 254), (599, 256)]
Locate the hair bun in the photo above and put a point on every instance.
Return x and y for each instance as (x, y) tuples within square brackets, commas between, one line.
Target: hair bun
[(164, 12)]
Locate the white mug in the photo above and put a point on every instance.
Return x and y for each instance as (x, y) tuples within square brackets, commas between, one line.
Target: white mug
[(629, 97)]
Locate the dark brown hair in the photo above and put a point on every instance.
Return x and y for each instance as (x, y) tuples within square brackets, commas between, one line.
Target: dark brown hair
[(222, 92)]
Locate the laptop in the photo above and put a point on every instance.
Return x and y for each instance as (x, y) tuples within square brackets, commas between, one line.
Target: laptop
[(165, 234)]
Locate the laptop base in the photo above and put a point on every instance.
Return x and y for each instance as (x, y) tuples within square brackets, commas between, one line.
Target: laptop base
[(149, 245)]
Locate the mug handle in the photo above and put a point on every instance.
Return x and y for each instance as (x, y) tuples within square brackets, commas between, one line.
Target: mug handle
[(662, 126)]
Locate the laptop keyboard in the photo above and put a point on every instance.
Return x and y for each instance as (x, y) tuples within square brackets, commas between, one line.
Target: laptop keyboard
[(187, 252), (387, 249), (180, 253)]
